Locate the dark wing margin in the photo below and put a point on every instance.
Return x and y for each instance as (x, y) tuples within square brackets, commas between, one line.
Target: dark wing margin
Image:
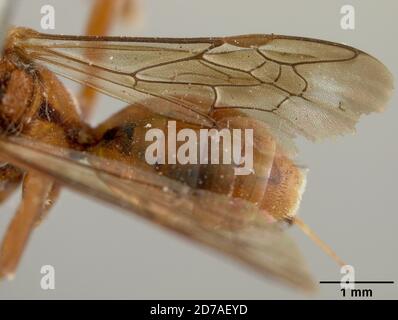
[(297, 86), (231, 226)]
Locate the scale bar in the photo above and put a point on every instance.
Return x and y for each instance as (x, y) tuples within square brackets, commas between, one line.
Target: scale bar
[(363, 282)]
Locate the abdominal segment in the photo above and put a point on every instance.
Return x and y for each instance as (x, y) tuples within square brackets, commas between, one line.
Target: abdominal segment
[(137, 137)]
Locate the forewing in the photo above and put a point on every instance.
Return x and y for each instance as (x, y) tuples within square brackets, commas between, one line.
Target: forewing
[(232, 226), (297, 86)]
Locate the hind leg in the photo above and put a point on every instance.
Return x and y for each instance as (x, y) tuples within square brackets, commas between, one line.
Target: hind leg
[(36, 189)]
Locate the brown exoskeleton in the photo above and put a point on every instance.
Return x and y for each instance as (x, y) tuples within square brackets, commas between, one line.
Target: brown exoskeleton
[(30, 95), (278, 86)]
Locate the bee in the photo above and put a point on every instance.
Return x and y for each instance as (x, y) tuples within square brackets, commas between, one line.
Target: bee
[(278, 86)]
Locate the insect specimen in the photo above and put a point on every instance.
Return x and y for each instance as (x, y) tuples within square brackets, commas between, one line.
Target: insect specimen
[(278, 86)]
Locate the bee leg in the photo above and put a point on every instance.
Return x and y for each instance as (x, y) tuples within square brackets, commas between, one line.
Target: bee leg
[(10, 178), (35, 192), (103, 14), (49, 202)]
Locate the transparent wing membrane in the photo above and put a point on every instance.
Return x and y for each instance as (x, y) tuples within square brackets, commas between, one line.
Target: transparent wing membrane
[(297, 86), (233, 226)]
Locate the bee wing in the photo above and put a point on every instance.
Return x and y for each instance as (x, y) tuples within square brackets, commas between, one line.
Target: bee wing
[(297, 86), (234, 227)]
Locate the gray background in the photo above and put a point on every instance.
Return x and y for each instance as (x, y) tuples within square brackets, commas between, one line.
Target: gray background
[(350, 199)]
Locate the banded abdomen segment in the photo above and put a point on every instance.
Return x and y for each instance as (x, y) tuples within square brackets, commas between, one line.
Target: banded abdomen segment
[(274, 183)]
